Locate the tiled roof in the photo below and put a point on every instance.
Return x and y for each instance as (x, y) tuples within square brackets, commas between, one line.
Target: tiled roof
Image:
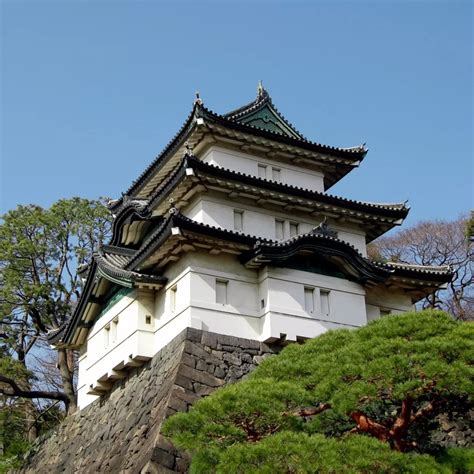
[(231, 120), (444, 270), (263, 102)]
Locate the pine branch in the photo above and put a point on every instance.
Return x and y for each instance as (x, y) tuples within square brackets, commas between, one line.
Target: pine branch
[(16, 391)]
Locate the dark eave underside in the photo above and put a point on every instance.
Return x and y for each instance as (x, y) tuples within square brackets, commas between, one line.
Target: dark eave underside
[(378, 218), (393, 211)]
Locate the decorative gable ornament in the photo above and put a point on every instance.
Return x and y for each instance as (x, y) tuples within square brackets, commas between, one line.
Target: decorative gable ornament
[(324, 229)]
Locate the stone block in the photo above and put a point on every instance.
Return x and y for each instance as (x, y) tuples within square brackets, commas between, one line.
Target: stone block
[(201, 377), (182, 465), (203, 390), (197, 351), (201, 365), (165, 444), (232, 359), (209, 339), (189, 360), (184, 382), (219, 372), (162, 457), (194, 335), (177, 404)]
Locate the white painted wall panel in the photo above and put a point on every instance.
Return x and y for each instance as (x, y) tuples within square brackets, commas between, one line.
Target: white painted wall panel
[(248, 164), (283, 310)]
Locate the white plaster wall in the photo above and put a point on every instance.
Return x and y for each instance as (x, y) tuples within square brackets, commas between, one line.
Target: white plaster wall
[(352, 236), (194, 278), (395, 301), (133, 340), (285, 294), (248, 164), (257, 221)]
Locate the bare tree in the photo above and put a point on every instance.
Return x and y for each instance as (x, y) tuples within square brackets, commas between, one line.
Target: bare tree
[(436, 242)]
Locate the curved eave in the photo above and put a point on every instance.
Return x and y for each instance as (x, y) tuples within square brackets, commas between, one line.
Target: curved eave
[(125, 214), (100, 269), (436, 275), (171, 146), (123, 277), (382, 217), (344, 255), (179, 222), (261, 251), (393, 210)]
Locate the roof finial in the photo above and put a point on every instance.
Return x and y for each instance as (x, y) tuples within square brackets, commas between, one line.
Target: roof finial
[(198, 99), (260, 88)]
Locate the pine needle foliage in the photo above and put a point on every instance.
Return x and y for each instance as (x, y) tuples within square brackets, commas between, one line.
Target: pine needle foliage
[(347, 401)]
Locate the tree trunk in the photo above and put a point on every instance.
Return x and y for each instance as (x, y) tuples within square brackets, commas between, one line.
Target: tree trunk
[(30, 413), (28, 407), (67, 379)]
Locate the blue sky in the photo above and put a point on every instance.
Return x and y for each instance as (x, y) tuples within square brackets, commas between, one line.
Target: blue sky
[(93, 90)]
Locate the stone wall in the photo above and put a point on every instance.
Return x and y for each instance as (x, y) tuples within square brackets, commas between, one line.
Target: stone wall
[(121, 431)]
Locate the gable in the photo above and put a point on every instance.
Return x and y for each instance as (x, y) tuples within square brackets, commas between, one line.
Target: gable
[(267, 118)]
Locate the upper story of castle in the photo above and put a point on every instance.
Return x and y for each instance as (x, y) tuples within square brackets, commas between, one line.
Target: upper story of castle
[(252, 171)]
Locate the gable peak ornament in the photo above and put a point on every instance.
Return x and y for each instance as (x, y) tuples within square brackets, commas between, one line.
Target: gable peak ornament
[(261, 92), (188, 149), (198, 100), (324, 229)]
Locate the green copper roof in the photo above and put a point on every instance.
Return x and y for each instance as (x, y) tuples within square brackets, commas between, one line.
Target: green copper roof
[(261, 113)]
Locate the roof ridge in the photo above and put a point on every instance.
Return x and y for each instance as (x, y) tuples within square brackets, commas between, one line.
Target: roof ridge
[(352, 150), (263, 98), (428, 268)]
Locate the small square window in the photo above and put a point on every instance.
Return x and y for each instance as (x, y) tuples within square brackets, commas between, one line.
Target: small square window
[(384, 312), (113, 330), (309, 299), (221, 291), (279, 226), (324, 298), (238, 220), (173, 294), (294, 229), (106, 336)]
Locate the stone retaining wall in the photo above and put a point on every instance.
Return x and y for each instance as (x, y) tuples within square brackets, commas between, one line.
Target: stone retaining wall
[(121, 431)]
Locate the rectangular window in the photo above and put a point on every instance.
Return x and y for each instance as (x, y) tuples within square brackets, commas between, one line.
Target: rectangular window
[(294, 229), (147, 319), (309, 299), (113, 331), (276, 174), (106, 336), (279, 226), (221, 291), (384, 312), (324, 296), (262, 171), (173, 292), (238, 220)]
